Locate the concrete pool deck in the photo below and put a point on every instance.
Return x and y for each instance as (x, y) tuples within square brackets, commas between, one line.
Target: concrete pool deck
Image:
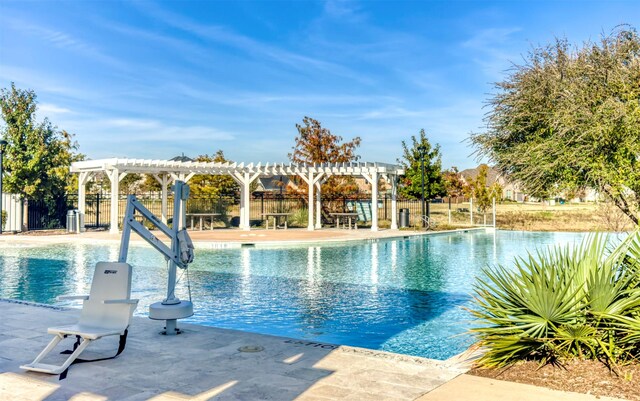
[(205, 363)]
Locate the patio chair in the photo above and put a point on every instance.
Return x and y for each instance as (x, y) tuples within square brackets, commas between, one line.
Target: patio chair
[(106, 311)]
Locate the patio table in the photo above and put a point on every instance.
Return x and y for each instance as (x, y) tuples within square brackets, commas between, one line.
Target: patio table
[(347, 216), (201, 216), (276, 219)]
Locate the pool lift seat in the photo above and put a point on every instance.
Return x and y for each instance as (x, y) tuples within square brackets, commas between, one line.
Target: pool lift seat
[(106, 311)]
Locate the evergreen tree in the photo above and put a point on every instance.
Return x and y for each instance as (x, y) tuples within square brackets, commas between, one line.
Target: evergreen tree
[(411, 182)]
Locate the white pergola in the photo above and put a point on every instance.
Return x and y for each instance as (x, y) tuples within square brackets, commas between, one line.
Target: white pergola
[(166, 171)]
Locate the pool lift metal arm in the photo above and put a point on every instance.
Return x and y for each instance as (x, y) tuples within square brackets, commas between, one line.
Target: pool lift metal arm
[(180, 254)]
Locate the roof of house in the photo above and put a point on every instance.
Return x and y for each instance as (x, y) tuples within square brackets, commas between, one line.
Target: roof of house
[(472, 173), (273, 184), (181, 158)]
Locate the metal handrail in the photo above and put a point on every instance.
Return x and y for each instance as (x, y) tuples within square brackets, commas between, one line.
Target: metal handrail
[(429, 223)]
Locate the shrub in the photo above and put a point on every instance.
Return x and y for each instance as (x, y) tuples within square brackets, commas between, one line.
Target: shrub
[(299, 218), (3, 217), (576, 301)]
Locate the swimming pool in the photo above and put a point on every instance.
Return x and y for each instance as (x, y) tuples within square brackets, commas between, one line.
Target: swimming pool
[(405, 295)]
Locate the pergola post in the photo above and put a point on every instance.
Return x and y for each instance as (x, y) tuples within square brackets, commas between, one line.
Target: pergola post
[(237, 177), (246, 200), (373, 180), (245, 180), (312, 180), (163, 179), (394, 202), (82, 191), (310, 185), (319, 205), (374, 201), (114, 177)]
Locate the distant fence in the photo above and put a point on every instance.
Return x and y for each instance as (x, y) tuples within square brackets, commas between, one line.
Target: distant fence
[(42, 216), (98, 208)]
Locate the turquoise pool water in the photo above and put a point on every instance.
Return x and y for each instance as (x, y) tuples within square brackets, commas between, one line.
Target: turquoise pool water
[(404, 295)]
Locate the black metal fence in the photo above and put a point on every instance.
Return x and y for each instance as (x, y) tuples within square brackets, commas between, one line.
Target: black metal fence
[(42, 216), (98, 208)]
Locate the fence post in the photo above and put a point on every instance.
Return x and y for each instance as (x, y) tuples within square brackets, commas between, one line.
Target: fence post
[(98, 209), (494, 212), (471, 209), (25, 215), (262, 203), (385, 206)]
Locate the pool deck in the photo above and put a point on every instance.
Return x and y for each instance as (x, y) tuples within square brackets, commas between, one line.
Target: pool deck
[(205, 363), (236, 237)]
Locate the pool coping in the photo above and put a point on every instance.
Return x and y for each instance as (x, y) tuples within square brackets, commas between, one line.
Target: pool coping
[(222, 244)]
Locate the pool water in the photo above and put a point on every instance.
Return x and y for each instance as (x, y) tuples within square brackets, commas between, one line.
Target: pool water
[(405, 295)]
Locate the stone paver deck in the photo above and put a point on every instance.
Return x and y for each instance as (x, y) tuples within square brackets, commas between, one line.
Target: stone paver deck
[(204, 363)]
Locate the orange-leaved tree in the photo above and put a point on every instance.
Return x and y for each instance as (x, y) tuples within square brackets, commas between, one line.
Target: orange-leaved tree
[(315, 144)]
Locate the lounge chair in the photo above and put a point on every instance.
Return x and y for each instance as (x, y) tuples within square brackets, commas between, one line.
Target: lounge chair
[(106, 311)]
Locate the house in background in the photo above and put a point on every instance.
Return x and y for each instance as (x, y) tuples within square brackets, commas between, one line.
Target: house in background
[(274, 185), (512, 191)]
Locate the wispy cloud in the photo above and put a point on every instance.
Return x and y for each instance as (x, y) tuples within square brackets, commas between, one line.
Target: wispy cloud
[(64, 41), (40, 81), (489, 48), (227, 37), (49, 109), (489, 39), (131, 129), (343, 10)]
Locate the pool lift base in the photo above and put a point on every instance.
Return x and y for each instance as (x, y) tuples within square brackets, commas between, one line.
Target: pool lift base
[(179, 255), (170, 313)]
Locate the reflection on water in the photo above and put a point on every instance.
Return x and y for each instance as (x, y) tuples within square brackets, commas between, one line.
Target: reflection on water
[(403, 295)]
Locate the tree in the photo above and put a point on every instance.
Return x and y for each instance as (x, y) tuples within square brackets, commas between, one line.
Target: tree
[(38, 155), (569, 118), (206, 185), (315, 144), (454, 185), (411, 183), (150, 184), (130, 184), (481, 192)]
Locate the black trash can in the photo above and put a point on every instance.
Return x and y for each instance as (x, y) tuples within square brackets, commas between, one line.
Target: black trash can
[(404, 218)]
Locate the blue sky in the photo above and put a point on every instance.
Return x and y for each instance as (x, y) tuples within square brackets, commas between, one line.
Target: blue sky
[(156, 79)]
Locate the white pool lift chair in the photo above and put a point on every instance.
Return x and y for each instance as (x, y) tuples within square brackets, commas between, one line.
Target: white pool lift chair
[(106, 311)]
